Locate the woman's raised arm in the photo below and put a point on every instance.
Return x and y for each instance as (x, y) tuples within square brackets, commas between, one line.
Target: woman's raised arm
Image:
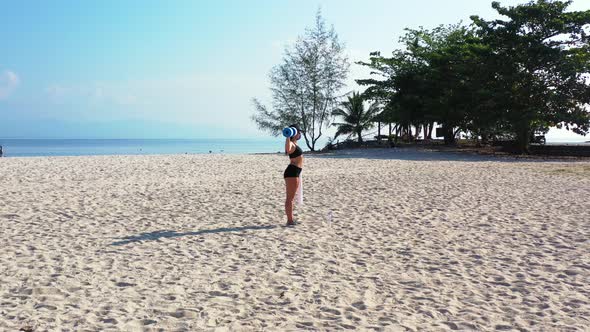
[(288, 145)]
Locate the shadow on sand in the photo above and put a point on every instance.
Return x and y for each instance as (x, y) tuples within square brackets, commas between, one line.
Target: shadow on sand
[(422, 154), (151, 236)]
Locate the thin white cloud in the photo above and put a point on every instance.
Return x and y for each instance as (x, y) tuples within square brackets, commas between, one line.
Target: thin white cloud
[(57, 92), (92, 93), (9, 81), (192, 98)]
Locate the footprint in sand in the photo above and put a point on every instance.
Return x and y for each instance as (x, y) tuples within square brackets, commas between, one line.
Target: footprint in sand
[(360, 305), (124, 284), (44, 306), (331, 311)]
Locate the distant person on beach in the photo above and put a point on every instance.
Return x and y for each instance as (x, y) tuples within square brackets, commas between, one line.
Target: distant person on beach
[(291, 175), (1, 152)]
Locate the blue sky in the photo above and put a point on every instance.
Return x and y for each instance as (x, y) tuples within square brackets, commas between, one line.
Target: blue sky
[(177, 69)]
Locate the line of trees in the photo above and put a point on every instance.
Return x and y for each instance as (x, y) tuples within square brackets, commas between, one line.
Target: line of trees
[(499, 79)]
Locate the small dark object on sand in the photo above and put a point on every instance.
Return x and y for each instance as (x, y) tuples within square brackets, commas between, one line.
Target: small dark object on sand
[(27, 328)]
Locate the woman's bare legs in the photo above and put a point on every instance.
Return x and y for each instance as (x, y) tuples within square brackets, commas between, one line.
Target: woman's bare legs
[(292, 184)]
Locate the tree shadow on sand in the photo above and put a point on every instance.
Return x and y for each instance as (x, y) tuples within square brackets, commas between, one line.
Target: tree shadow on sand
[(418, 154), (152, 236)]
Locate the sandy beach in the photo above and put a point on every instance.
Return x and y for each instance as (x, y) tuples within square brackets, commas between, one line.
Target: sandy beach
[(418, 241)]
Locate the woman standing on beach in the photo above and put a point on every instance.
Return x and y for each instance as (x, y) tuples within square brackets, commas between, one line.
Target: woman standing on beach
[(291, 175)]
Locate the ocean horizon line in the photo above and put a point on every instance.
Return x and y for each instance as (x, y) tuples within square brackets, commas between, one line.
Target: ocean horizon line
[(39, 147), (142, 139)]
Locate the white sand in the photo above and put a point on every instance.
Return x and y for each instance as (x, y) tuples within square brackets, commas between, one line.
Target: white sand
[(419, 241)]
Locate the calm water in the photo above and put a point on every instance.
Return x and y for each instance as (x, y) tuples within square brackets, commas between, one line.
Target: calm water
[(88, 147)]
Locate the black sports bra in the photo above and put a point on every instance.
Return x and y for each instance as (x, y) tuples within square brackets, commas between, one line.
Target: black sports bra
[(296, 153)]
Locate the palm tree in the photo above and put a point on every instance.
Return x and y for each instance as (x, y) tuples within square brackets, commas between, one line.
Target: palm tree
[(355, 118)]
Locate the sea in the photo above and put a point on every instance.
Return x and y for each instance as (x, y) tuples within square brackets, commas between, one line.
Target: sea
[(93, 147)]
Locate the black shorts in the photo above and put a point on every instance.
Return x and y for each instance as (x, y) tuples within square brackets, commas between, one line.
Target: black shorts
[(292, 171)]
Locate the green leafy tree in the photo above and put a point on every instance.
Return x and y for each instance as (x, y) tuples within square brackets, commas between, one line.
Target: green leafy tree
[(399, 86), (502, 78), (432, 80), (354, 116), (539, 55), (305, 86), (457, 82)]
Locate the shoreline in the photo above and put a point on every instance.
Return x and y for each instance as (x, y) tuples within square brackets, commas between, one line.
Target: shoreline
[(468, 150), (420, 148), (73, 147)]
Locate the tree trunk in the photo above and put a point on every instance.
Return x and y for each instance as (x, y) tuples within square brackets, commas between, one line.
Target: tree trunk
[(449, 134), (360, 137), (379, 132), (430, 128), (523, 138), (389, 136)]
